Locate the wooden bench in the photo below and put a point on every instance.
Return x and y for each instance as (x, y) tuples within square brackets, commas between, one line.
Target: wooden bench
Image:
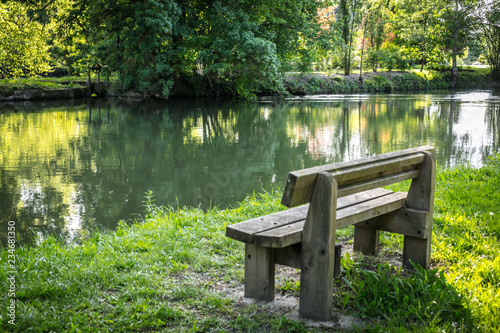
[(338, 195)]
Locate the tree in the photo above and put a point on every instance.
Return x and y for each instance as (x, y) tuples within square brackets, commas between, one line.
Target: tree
[(23, 47), (376, 28), (490, 33), (348, 17), (420, 29), (460, 23)]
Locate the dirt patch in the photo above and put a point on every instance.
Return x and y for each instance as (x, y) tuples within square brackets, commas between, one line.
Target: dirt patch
[(286, 299)]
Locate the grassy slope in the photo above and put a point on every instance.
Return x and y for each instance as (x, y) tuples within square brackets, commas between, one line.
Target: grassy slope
[(386, 82), (176, 271), (34, 83)]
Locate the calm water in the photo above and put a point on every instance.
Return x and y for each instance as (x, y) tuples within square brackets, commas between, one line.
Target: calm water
[(68, 166)]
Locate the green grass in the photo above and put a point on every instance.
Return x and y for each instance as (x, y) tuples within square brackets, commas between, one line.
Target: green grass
[(377, 83), (38, 83), (174, 270)]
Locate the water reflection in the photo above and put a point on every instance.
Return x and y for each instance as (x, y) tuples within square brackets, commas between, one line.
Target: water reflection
[(71, 166)]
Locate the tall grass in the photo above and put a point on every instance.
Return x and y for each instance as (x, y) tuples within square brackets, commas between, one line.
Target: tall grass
[(174, 270)]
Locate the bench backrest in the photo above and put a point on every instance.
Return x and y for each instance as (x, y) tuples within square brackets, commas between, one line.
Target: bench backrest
[(356, 176)]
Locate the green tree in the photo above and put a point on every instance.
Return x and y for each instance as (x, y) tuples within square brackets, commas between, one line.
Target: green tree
[(489, 14), (348, 17), (376, 29), (460, 24), (23, 46), (420, 29)]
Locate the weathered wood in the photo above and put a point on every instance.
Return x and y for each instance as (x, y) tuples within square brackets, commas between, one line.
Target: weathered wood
[(259, 272), (370, 209), (382, 181), (366, 241), (377, 169), (245, 231), (340, 194), (361, 178), (289, 256), (406, 221), (292, 233), (318, 251), (300, 184), (421, 197)]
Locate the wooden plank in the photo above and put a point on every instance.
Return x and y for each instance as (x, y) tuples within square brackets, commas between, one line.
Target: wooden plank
[(421, 197), (245, 231), (377, 169), (259, 272), (289, 256), (383, 181), (300, 184), (370, 209), (281, 237), (405, 221), (364, 174), (366, 240), (318, 251), (292, 233)]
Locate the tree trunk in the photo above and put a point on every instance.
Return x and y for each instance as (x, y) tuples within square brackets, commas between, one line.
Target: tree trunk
[(454, 70), (362, 51), (353, 16)]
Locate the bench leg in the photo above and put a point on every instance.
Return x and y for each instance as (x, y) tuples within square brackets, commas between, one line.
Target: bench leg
[(318, 251), (366, 240), (421, 197), (417, 250), (259, 272)]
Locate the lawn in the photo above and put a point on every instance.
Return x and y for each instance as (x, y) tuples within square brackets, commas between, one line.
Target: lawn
[(174, 270)]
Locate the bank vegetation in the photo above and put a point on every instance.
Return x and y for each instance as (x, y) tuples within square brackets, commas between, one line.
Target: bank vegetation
[(242, 48)]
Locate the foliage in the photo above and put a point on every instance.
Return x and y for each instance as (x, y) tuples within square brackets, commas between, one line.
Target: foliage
[(420, 31), (23, 46), (242, 48), (235, 55), (377, 29), (490, 30), (387, 293), (406, 81), (460, 23), (132, 40)]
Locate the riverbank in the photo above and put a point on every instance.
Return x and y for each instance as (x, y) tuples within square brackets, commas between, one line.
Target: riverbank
[(293, 84), (174, 270), (25, 89), (385, 82)]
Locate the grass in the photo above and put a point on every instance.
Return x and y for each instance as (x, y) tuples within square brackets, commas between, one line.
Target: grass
[(174, 270), (38, 83), (379, 83)]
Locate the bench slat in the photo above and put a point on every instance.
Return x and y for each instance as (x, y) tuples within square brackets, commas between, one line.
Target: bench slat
[(373, 183), (292, 233), (300, 184), (245, 231)]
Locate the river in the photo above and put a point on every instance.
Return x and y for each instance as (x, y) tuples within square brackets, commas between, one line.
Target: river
[(71, 166)]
